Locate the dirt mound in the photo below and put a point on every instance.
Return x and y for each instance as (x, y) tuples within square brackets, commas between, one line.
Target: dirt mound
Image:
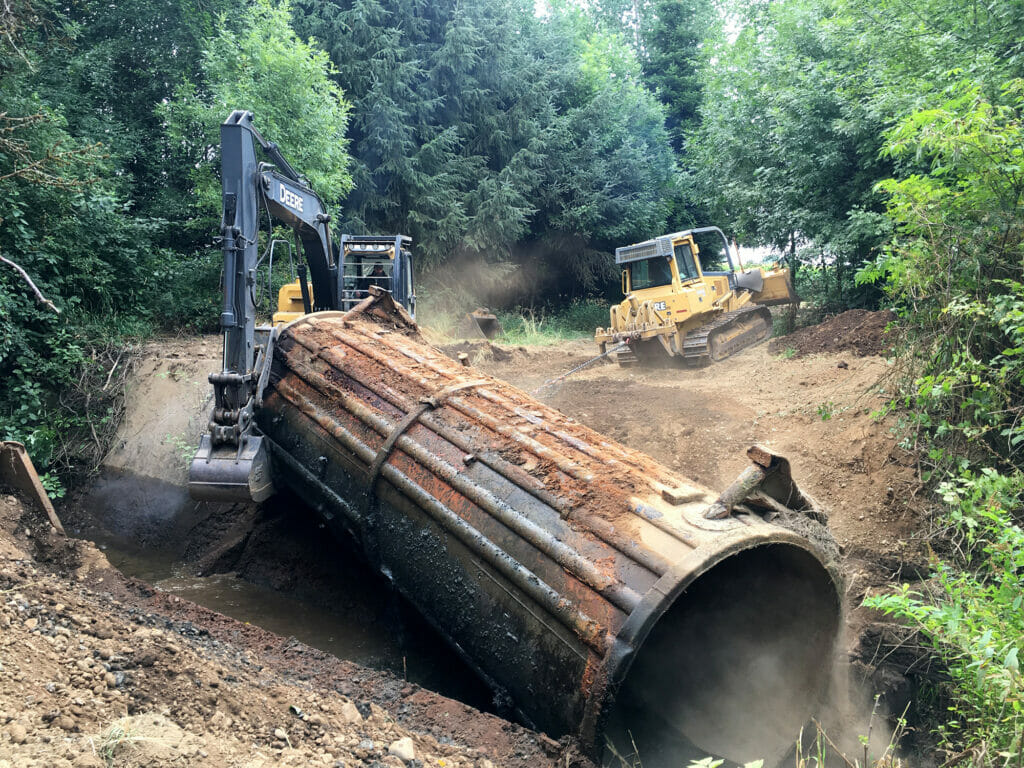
[(480, 351), (97, 671), (858, 331)]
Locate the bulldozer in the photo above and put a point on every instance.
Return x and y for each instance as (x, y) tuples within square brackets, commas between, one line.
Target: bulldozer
[(675, 310)]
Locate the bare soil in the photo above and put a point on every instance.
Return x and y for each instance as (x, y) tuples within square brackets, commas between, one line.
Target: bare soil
[(99, 670), (857, 331)]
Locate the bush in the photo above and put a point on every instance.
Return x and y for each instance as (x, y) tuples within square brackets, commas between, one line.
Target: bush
[(574, 321), (974, 614)]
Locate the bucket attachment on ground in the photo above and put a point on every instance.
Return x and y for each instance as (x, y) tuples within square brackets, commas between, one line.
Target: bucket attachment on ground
[(479, 324), (231, 473), (17, 471)]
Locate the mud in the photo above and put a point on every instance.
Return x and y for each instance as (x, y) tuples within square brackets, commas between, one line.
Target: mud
[(272, 566)]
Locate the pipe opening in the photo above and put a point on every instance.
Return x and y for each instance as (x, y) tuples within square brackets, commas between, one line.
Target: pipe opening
[(734, 668)]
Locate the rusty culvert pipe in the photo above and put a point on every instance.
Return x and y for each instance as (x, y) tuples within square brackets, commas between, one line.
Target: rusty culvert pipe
[(580, 578)]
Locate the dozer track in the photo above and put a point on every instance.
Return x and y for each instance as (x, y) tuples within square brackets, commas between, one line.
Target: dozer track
[(727, 335)]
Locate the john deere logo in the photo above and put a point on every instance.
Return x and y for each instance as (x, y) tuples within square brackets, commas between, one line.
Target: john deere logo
[(290, 199)]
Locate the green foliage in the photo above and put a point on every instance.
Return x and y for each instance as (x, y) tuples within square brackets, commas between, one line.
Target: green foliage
[(956, 266), (786, 154), (674, 33), (256, 62), (574, 321), (974, 615), (488, 132)]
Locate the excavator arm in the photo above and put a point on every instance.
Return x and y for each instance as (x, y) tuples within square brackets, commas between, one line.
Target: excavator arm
[(231, 463)]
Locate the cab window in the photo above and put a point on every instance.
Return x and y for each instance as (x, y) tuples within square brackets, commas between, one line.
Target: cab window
[(685, 262), (650, 273)]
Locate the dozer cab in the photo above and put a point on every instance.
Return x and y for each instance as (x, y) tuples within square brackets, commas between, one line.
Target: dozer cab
[(675, 310)]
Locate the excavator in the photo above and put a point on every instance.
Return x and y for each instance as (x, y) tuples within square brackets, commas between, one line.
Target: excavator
[(675, 310), (232, 463)]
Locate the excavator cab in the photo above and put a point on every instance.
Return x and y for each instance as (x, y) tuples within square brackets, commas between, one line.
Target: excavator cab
[(384, 261)]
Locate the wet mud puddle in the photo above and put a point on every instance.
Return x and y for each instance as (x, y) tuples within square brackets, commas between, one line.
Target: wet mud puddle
[(290, 577)]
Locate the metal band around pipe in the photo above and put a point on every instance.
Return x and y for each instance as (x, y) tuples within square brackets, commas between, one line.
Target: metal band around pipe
[(554, 604)]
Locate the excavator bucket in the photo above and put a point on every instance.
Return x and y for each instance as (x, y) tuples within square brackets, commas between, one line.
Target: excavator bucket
[(230, 473), (479, 324)]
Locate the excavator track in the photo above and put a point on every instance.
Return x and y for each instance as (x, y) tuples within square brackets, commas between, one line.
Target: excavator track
[(727, 335)]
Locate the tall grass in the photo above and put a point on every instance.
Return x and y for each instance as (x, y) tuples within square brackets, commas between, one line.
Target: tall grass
[(530, 327)]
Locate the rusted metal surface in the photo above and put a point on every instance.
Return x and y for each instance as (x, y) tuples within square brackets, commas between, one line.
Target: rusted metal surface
[(544, 551)]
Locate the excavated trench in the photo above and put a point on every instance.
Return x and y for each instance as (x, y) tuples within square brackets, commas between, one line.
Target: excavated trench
[(271, 566), (741, 657)]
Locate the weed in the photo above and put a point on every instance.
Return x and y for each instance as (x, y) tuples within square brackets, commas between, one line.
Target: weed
[(183, 447), (789, 353), (119, 734), (973, 614), (52, 485), (532, 327), (826, 410)]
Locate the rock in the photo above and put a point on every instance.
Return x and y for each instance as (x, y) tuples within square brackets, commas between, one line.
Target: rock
[(350, 713), (66, 723), (110, 679), (30, 624), (280, 734), (17, 732), (402, 749), (87, 760)]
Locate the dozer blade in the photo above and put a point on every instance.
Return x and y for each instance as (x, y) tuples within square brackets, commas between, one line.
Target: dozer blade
[(231, 473), (479, 324)]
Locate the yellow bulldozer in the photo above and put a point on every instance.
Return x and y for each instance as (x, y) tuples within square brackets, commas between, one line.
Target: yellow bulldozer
[(674, 308)]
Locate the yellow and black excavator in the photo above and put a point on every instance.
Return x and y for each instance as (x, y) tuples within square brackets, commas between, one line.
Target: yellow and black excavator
[(674, 308)]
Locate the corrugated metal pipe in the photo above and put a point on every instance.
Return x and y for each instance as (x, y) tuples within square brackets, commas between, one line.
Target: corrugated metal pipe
[(593, 588)]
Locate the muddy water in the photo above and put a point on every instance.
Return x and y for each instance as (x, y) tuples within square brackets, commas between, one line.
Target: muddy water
[(149, 530)]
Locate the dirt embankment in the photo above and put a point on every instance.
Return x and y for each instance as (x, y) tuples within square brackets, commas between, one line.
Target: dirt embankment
[(858, 331), (98, 670)]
